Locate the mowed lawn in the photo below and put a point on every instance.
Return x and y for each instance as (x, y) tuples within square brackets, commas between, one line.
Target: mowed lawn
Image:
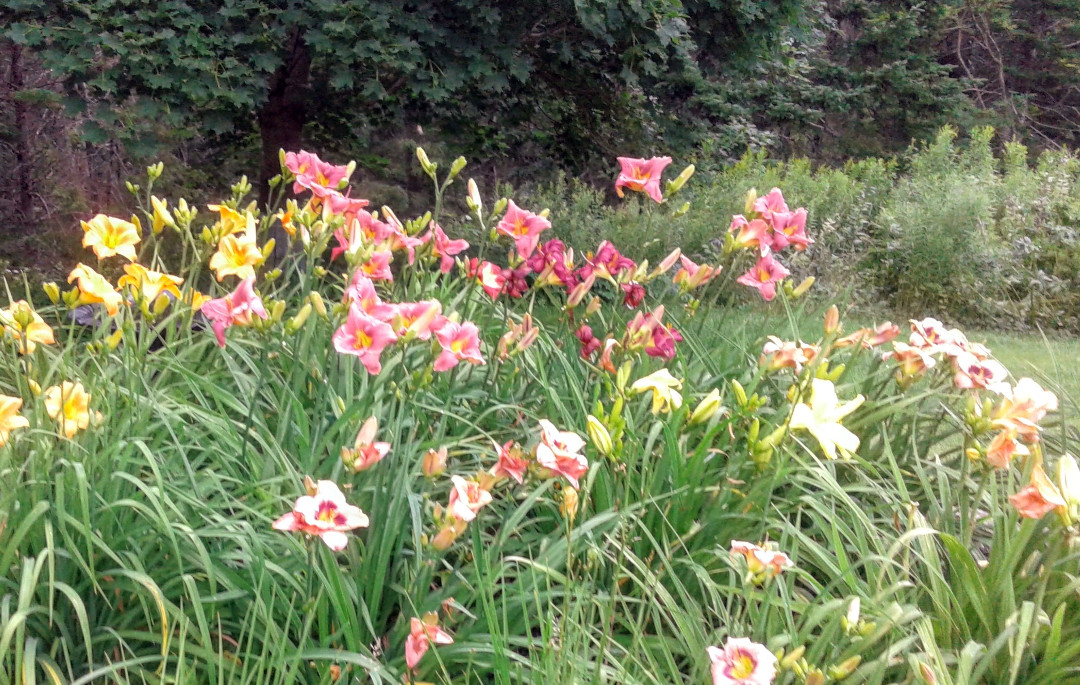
[(1054, 362)]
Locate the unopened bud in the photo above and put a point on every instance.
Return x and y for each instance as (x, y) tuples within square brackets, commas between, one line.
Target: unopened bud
[(599, 435), (500, 206), (815, 677), (676, 185), (926, 674), (845, 668), (706, 408), (112, 341), (801, 289), (593, 306), (832, 320), (297, 322), (792, 657), (751, 198), (316, 301), (434, 463), (161, 304), (425, 163), (681, 210), (473, 198), (277, 311), (457, 165), (52, 291), (568, 504), (740, 393), (268, 248)]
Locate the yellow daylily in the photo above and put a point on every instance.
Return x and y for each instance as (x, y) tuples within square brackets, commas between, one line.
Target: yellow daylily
[(109, 236), (821, 418), (162, 217), (237, 254), (94, 288), (10, 419), (69, 403), (665, 389), (149, 283), (21, 322)]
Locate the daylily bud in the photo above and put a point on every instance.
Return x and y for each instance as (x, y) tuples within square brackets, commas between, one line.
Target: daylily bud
[(131, 187), (425, 163), (845, 668), (277, 311), (207, 236), (622, 376), (310, 486), (281, 161), (316, 301), (500, 205), (740, 393), (153, 172), (272, 275), (793, 657), (680, 180), (832, 320), (297, 322), (457, 165), (706, 408), (545, 212), (568, 504), (801, 289), (114, 338), (71, 297), (268, 248), (973, 454), (35, 387), (681, 210), (815, 677), (349, 169), (593, 306), (751, 198), (161, 304), (599, 435), (473, 198), (1068, 478), (926, 674), (667, 263), (448, 534), (434, 463), (52, 291)]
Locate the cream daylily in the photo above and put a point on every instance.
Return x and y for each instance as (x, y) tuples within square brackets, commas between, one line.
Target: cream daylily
[(665, 389), (821, 418)]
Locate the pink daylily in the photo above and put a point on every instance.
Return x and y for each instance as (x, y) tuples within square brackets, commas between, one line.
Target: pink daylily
[(692, 275), (365, 452), (236, 308), (764, 276), (460, 342), (742, 662), (421, 635), (559, 451), (417, 319), (314, 174), (662, 343), (443, 247), (524, 227), (512, 462), (973, 373), (641, 175), (633, 294), (325, 514), (489, 276), (364, 336), (789, 228), (377, 267), (760, 560), (466, 498), (767, 205), (361, 293), (749, 233)]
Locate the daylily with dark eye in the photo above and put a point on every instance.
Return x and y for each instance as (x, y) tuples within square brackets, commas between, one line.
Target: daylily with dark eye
[(325, 514)]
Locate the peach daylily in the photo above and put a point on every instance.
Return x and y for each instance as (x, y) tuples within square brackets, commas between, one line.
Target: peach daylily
[(109, 236), (364, 336), (422, 633), (238, 308), (10, 418), (560, 452), (460, 342), (1003, 447), (22, 323), (365, 452), (69, 403), (912, 360), (149, 284), (641, 175), (523, 227), (742, 662), (779, 354), (512, 462), (764, 276), (466, 498), (95, 288), (325, 514), (870, 337), (975, 373), (1039, 498), (759, 560), (1023, 407)]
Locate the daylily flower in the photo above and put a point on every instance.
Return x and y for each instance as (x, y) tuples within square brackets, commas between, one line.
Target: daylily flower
[(149, 284), (161, 215), (821, 418), (789, 228), (22, 323), (361, 293), (69, 403), (912, 360), (466, 498), (524, 227), (325, 514), (767, 205), (779, 354), (434, 463), (641, 175), (231, 221), (416, 320), (1039, 498), (764, 276), (607, 263), (314, 174), (1023, 407), (421, 634), (365, 452), (443, 247), (237, 255), (459, 342), (972, 372), (665, 390), (236, 308), (489, 276), (749, 233), (109, 236), (692, 275), (512, 462), (633, 294), (662, 343), (10, 419), (560, 452), (1003, 447), (870, 337), (759, 560), (589, 342), (364, 336), (94, 288), (605, 362), (377, 267), (742, 662), (931, 335)]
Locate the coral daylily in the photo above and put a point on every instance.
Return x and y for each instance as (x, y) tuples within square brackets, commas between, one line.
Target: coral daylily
[(560, 452), (665, 390), (692, 275), (444, 248), (149, 284), (524, 227), (1039, 498), (314, 174), (421, 634), (641, 175), (69, 403), (10, 419), (764, 276), (22, 323), (779, 354), (460, 342), (912, 360), (512, 462), (1023, 407), (466, 498), (237, 255), (365, 452), (237, 308), (1003, 447), (364, 336), (821, 418), (325, 514), (109, 236), (95, 288), (759, 560), (742, 662)]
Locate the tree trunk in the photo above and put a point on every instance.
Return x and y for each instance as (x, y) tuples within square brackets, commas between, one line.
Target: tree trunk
[(24, 193), (282, 118)]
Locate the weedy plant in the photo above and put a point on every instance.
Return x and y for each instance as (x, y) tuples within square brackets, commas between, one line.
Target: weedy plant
[(395, 456)]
